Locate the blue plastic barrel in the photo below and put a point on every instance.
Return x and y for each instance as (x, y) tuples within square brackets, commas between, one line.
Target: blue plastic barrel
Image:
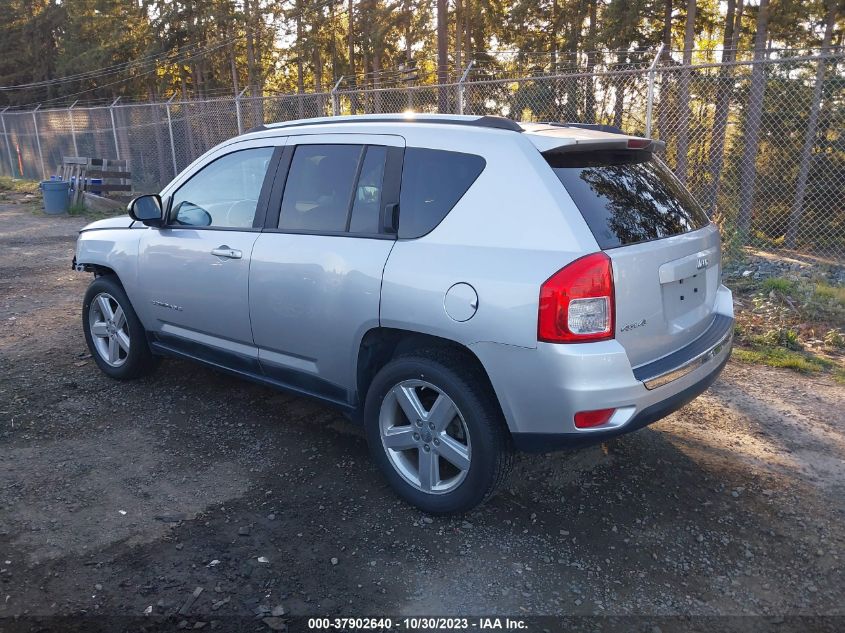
[(56, 199)]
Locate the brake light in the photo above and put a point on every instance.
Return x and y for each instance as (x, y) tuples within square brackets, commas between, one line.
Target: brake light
[(639, 143), (589, 419), (577, 302)]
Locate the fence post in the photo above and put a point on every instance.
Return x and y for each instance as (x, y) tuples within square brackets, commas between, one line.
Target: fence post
[(38, 142), (114, 128), (73, 127), (170, 130), (461, 86), (8, 142), (336, 98), (650, 103), (238, 111)]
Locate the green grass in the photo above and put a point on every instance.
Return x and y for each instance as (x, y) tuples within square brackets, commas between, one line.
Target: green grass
[(834, 294), (778, 284), (18, 185), (802, 362)]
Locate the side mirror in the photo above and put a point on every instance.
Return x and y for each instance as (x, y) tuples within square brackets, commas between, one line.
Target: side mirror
[(146, 209)]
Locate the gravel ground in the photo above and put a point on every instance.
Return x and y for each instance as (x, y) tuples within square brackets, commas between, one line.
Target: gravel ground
[(121, 498)]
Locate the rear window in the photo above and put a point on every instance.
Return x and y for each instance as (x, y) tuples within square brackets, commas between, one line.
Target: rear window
[(432, 183), (627, 196)]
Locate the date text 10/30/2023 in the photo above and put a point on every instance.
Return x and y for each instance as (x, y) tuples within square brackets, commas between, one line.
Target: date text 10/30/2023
[(418, 624)]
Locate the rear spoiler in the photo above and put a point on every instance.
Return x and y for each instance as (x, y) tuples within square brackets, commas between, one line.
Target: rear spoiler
[(631, 142), (579, 137)]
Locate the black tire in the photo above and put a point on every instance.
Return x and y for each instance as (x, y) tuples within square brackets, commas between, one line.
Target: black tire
[(139, 361), (492, 449)]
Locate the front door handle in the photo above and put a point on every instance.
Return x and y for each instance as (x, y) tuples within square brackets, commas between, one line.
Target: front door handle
[(228, 253)]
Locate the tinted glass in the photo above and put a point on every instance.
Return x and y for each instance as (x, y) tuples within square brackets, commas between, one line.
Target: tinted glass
[(318, 191), (224, 193), (627, 196), (432, 183), (366, 210)]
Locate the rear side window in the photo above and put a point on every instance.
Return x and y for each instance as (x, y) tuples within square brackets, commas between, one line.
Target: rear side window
[(627, 196), (432, 183)]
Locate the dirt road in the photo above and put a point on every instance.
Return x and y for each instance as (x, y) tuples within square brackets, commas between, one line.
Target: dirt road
[(124, 498)]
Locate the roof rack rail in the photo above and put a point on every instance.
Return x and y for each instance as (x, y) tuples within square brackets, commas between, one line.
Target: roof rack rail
[(598, 127), (488, 121)]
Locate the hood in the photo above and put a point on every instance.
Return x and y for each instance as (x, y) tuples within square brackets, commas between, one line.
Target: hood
[(119, 222)]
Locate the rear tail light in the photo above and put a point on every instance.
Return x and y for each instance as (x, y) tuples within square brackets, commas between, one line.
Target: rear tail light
[(589, 419), (577, 302)]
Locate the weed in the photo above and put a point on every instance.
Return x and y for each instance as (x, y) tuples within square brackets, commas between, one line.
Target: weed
[(780, 337), (778, 285), (17, 185), (834, 294), (834, 338)]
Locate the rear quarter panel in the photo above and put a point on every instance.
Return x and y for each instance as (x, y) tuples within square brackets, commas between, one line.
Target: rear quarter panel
[(510, 232)]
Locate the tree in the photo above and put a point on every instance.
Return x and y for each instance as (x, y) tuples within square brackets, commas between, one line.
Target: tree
[(733, 21), (684, 94), (812, 128), (751, 137), (442, 55)]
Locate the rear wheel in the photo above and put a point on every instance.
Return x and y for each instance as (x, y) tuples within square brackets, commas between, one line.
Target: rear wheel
[(113, 332), (436, 431)]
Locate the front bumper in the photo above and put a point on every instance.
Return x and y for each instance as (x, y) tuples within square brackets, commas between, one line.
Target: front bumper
[(541, 389)]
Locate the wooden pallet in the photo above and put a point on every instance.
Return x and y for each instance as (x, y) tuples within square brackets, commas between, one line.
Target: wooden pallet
[(79, 170)]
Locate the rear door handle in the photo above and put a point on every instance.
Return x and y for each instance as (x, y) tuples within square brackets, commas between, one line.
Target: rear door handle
[(228, 253)]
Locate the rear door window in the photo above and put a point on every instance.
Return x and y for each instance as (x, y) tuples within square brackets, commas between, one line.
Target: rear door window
[(319, 189), (432, 183), (366, 210), (627, 196)]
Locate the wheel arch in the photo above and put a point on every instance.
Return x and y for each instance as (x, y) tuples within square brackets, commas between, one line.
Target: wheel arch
[(380, 345)]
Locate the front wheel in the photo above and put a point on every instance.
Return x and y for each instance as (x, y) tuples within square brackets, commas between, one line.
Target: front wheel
[(113, 332), (436, 431)]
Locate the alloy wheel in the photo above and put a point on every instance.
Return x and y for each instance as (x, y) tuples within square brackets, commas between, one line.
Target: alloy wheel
[(109, 329), (425, 436)]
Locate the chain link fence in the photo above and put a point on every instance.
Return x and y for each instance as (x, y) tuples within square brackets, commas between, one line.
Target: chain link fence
[(761, 144)]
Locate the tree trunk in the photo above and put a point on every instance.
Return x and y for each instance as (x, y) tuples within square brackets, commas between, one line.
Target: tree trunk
[(573, 38), (590, 100), (442, 55), (459, 60), (468, 29), (751, 140), (684, 94), (667, 29), (352, 81), (810, 133), (233, 68), (318, 70), (333, 43), (251, 78), (377, 77), (722, 104), (619, 104), (164, 167), (250, 50), (300, 80)]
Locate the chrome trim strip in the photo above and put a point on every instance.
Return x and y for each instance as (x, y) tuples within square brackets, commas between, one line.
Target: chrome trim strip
[(692, 364)]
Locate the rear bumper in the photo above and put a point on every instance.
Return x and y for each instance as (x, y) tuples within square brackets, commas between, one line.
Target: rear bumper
[(541, 389), (544, 442)]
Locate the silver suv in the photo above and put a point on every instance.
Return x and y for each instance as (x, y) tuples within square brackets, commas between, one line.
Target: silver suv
[(464, 286)]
